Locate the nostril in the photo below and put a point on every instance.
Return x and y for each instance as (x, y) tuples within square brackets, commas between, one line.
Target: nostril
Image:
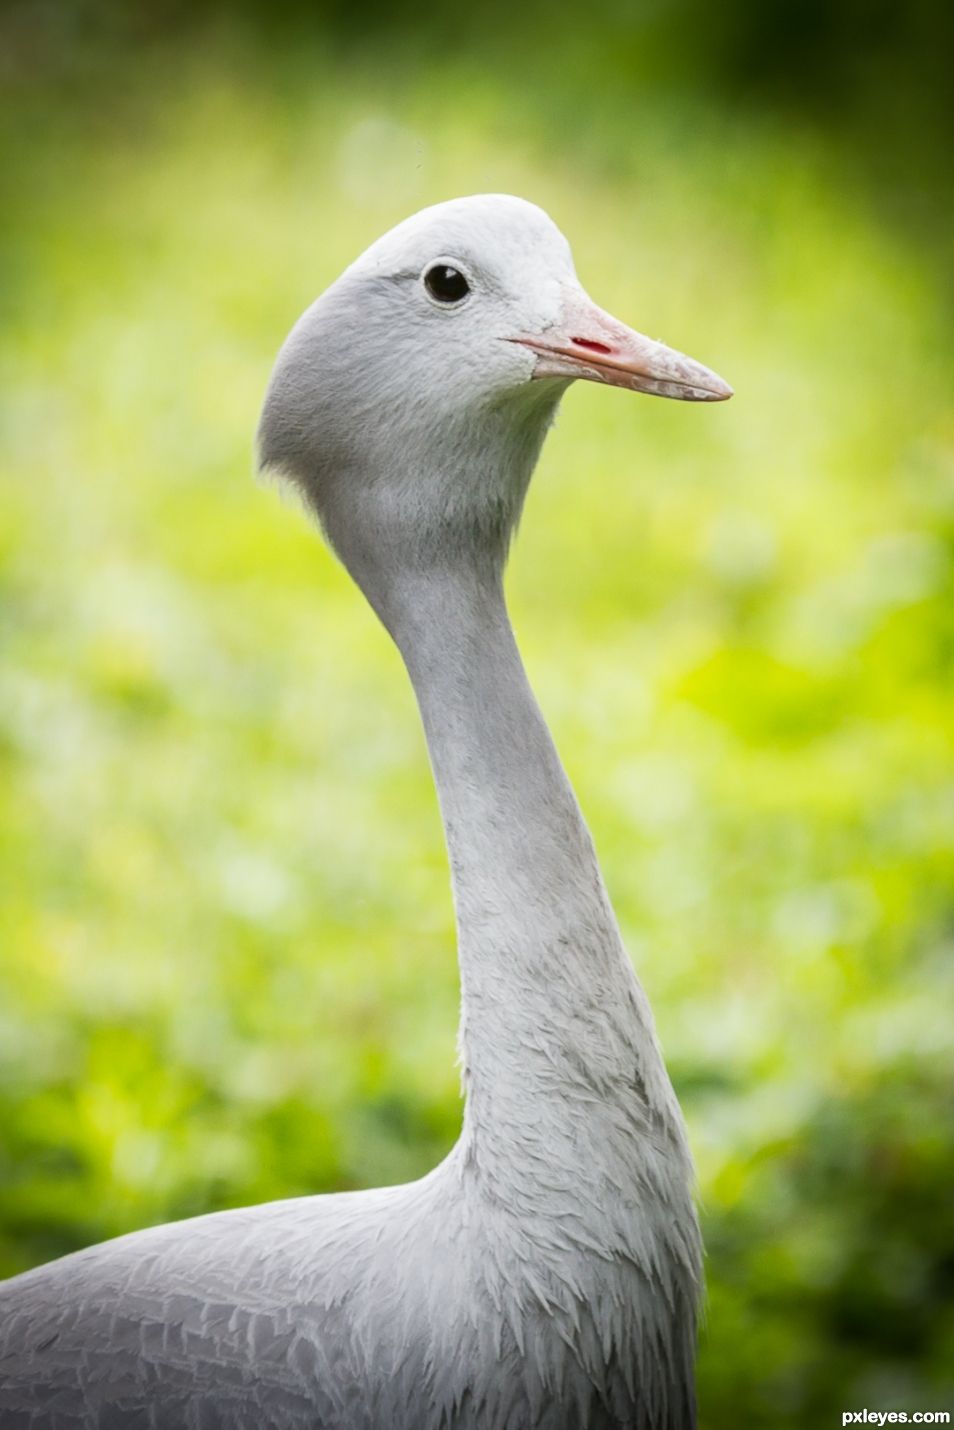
[(593, 346)]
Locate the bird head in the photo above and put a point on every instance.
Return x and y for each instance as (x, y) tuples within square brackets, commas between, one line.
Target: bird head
[(410, 401)]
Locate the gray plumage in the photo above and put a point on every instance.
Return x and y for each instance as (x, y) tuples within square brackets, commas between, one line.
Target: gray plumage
[(545, 1276)]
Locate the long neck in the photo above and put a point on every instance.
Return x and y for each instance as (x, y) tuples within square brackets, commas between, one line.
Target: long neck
[(550, 1007)]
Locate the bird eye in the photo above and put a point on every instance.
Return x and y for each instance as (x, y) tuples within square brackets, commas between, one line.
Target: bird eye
[(446, 283)]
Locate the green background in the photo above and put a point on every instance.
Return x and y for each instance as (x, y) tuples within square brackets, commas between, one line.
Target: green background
[(226, 946)]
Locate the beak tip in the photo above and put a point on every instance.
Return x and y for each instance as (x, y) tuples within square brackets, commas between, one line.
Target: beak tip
[(716, 388)]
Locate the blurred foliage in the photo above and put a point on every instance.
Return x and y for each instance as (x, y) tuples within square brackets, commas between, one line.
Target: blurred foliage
[(227, 945)]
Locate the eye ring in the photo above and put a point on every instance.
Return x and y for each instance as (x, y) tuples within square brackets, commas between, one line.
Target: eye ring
[(446, 283)]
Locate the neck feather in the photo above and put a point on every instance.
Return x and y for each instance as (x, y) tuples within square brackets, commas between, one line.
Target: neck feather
[(552, 1015)]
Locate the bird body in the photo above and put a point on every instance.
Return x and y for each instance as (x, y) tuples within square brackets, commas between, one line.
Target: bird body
[(545, 1275), (430, 1304)]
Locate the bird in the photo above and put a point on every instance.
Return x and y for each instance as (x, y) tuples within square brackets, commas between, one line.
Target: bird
[(546, 1275)]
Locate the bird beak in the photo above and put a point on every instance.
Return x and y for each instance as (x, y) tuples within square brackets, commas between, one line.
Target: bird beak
[(594, 346)]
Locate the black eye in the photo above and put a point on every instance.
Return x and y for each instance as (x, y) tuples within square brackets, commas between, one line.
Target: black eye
[(446, 284)]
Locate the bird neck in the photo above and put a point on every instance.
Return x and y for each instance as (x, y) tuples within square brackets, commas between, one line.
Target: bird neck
[(550, 1006)]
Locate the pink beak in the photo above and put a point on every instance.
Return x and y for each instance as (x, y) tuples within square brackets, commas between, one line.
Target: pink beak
[(592, 345)]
